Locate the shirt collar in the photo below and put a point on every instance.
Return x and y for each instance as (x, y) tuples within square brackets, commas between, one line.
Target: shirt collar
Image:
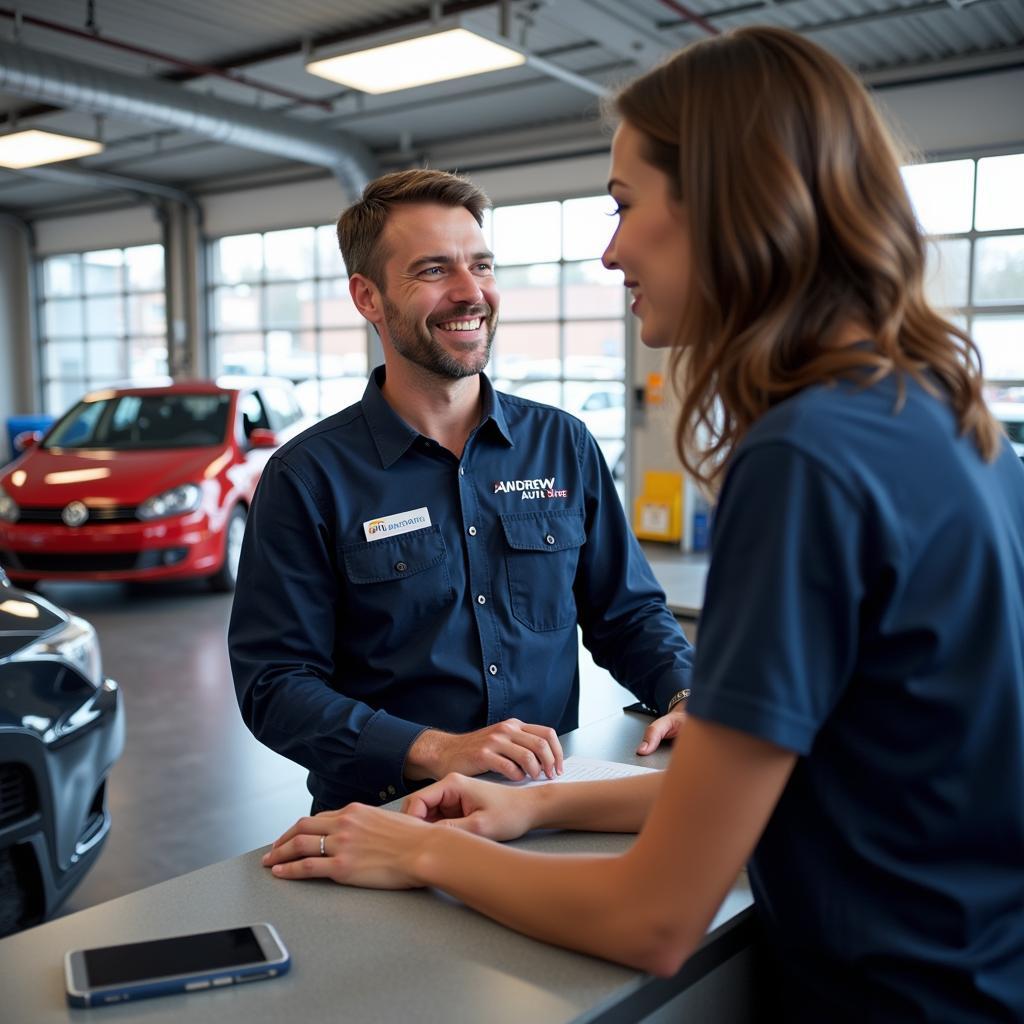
[(393, 437)]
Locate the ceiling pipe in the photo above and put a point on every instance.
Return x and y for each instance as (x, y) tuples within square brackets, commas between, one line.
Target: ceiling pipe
[(96, 37), (84, 87)]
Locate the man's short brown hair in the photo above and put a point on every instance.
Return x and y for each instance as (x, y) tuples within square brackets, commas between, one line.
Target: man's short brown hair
[(361, 226)]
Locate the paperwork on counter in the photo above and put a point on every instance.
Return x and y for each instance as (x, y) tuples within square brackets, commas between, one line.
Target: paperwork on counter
[(586, 769)]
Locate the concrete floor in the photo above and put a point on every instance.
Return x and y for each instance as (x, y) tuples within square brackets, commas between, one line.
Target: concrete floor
[(193, 786)]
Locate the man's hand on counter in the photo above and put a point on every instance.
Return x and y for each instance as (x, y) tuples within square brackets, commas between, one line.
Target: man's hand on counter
[(664, 728), (511, 748)]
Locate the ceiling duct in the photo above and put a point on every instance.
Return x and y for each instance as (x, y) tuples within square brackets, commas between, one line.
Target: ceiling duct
[(77, 86)]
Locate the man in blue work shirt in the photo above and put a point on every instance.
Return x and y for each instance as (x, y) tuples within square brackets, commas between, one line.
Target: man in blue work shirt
[(415, 566)]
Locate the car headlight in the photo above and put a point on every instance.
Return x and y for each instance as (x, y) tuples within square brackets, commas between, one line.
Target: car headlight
[(8, 507), (75, 644), (174, 502)]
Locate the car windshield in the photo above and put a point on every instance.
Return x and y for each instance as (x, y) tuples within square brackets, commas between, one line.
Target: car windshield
[(144, 421)]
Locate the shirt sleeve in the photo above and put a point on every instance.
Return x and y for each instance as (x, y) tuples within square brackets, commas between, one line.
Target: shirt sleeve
[(779, 626), (626, 622), (281, 641)]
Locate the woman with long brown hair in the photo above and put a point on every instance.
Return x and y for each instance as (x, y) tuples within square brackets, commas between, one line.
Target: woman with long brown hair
[(856, 727)]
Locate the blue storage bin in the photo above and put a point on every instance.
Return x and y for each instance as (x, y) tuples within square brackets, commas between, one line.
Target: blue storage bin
[(19, 424)]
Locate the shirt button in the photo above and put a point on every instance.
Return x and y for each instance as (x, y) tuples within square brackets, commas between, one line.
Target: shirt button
[(480, 599), (550, 539), (400, 567), (493, 669), (462, 470), (391, 790), (382, 795), (472, 531)]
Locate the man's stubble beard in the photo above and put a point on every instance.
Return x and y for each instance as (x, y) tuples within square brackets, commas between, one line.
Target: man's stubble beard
[(419, 346)]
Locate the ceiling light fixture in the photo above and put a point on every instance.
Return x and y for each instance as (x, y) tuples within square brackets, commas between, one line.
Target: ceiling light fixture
[(392, 61), (32, 147)]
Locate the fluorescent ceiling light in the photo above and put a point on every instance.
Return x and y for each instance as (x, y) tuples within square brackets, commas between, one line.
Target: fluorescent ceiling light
[(32, 147), (409, 61)]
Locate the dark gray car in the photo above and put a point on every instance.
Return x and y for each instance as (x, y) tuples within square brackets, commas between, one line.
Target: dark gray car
[(61, 730)]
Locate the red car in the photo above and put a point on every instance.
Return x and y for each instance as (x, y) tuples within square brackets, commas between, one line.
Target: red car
[(144, 483)]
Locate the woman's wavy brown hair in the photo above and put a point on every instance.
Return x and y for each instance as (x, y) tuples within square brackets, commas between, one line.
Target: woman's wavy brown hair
[(799, 223)]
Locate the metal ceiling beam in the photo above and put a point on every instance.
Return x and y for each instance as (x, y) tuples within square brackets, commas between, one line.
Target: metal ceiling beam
[(84, 87), (607, 26)]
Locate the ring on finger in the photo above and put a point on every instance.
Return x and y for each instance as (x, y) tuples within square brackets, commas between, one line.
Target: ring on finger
[(323, 849)]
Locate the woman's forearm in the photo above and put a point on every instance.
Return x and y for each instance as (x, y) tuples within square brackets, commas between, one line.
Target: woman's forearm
[(593, 904), (618, 805)]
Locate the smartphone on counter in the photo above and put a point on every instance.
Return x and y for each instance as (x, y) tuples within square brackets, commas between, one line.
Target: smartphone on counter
[(181, 963)]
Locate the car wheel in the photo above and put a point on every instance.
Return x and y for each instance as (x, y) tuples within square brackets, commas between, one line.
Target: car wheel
[(224, 579)]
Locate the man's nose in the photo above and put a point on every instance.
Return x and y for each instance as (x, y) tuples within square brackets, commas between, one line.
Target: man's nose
[(465, 287)]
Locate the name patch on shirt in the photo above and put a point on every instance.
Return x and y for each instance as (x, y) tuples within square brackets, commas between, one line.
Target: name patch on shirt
[(400, 522), (530, 490)]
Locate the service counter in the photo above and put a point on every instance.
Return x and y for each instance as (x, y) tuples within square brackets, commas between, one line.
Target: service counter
[(360, 955)]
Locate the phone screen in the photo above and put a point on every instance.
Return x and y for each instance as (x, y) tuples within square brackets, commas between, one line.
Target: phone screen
[(184, 954)]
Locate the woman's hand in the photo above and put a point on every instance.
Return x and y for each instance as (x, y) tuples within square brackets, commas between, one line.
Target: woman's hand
[(483, 808), (361, 845)]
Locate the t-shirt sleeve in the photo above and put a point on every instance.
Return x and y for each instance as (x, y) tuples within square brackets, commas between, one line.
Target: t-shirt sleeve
[(779, 625)]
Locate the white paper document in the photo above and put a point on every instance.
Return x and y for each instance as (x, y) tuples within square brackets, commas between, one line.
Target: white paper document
[(586, 769)]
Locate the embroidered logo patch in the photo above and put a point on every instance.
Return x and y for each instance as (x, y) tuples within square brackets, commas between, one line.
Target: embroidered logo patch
[(400, 522), (530, 490)]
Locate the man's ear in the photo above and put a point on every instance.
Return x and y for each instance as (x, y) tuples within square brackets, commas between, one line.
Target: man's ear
[(367, 298)]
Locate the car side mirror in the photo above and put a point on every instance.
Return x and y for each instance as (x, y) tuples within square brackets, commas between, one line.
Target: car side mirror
[(27, 439), (260, 437)]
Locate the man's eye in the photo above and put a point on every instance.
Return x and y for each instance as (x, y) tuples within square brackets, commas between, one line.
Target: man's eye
[(485, 268), (620, 209), (432, 271)]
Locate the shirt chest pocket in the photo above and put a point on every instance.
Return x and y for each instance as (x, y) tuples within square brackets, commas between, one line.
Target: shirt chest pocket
[(400, 576), (542, 552)]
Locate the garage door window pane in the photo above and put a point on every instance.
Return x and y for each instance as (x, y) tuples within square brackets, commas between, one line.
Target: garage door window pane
[(527, 234), (587, 227), (64, 359), (1000, 193), (343, 354), (104, 271), (147, 313), (290, 305), (329, 261), (528, 293), (592, 291), (527, 351), (62, 318), (1001, 340), (291, 354), (238, 258), (62, 275), (336, 306), (104, 317), (999, 269), (147, 358), (242, 354), (145, 267), (238, 306), (946, 272), (107, 360), (942, 194), (595, 349), (62, 394), (288, 255)]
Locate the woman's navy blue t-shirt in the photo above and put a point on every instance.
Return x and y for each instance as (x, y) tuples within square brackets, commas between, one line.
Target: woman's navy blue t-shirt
[(865, 609)]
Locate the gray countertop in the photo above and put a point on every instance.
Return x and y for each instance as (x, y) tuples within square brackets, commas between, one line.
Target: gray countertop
[(357, 955)]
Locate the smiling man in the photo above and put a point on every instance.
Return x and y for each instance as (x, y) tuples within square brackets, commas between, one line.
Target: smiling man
[(415, 567)]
